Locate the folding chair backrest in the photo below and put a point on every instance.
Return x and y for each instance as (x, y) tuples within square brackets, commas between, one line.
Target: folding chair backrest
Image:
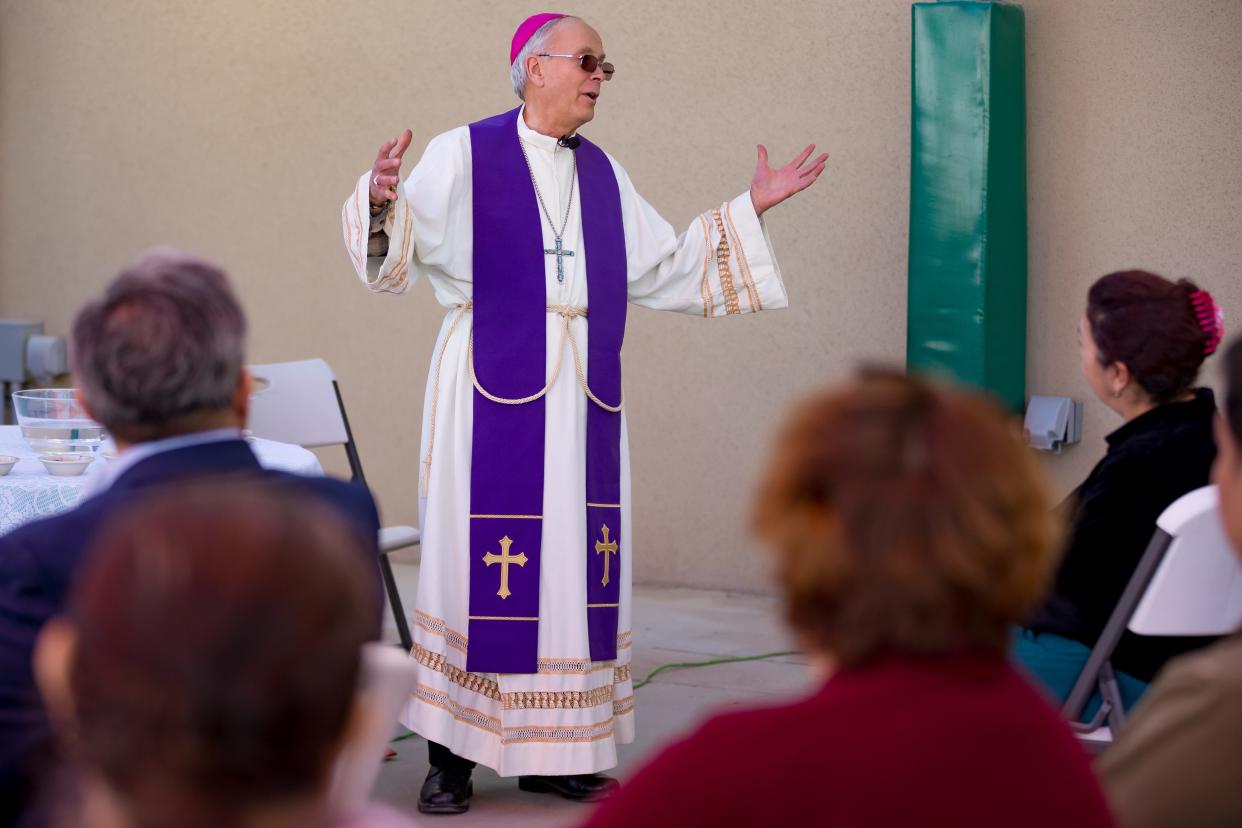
[(1197, 588), (297, 403), (386, 681), (1186, 583)]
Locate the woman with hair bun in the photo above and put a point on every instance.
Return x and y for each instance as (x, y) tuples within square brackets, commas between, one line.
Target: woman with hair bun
[(1142, 341)]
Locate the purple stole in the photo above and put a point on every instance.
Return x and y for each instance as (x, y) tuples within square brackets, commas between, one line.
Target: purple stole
[(506, 473)]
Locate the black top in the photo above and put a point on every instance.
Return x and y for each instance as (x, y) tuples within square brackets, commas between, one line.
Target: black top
[(1151, 461)]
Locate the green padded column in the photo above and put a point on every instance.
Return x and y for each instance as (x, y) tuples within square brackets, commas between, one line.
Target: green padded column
[(967, 269)]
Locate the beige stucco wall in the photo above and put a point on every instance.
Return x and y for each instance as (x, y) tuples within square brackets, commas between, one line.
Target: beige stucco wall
[(235, 128)]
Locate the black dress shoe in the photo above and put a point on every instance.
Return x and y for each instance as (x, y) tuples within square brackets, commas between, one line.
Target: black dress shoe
[(580, 787), (445, 792)]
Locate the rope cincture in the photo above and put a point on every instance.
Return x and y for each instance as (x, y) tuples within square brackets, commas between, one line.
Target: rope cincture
[(567, 313)]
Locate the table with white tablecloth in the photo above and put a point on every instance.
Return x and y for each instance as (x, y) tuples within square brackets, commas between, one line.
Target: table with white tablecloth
[(29, 491)]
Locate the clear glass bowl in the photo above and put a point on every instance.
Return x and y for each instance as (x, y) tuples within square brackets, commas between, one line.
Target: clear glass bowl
[(51, 420)]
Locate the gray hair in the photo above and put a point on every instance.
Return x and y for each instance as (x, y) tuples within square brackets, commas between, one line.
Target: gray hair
[(166, 340), (537, 43)]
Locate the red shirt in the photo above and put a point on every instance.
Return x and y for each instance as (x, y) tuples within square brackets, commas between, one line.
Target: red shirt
[(943, 742)]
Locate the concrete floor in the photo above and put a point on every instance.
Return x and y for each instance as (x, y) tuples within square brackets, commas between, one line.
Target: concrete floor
[(670, 625)]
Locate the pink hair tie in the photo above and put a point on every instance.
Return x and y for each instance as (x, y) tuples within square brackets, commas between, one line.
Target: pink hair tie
[(1210, 318)]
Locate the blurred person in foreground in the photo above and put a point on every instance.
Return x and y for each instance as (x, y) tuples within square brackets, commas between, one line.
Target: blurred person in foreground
[(191, 688), (911, 528), (159, 361), (1174, 762), (1142, 341)]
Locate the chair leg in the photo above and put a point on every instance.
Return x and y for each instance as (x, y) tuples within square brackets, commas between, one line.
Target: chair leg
[(394, 601), (1110, 691)]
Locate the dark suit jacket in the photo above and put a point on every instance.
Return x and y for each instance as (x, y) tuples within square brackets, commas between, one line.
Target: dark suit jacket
[(38, 562)]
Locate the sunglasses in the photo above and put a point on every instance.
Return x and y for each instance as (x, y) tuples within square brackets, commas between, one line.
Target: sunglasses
[(589, 63)]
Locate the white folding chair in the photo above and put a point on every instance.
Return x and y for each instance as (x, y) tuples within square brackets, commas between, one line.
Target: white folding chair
[(300, 402), (1188, 583), (386, 681)]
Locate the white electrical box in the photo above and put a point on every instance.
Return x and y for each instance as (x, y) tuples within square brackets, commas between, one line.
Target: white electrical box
[(1053, 422), (26, 354)]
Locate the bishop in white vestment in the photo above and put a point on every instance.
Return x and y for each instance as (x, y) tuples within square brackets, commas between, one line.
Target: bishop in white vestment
[(566, 717)]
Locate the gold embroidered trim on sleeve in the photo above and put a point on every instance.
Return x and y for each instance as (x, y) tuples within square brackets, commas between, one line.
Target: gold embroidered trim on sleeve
[(722, 267), (752, 290), (620, 674), (622, 706), (348, 221), (705, 288), (401, 271)]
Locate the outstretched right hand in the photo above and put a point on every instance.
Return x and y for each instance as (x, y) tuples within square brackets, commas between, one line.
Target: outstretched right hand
[(386, 173)]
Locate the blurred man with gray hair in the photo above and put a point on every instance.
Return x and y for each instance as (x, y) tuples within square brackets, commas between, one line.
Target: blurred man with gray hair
[(159, 362)]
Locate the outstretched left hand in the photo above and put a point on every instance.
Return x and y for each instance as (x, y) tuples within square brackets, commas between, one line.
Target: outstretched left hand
[(770, 187)]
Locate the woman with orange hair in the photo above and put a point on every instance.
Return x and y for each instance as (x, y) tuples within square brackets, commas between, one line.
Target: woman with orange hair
[(911, 530)]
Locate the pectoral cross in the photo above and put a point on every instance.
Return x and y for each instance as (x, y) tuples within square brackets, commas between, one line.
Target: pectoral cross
[(504, 559), (560, 253), (605, 547)]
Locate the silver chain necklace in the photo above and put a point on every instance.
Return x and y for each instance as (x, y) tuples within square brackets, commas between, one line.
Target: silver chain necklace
[(559, 251)]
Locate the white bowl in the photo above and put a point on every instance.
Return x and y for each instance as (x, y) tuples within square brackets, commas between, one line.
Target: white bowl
[(66, 465), (7, 461)]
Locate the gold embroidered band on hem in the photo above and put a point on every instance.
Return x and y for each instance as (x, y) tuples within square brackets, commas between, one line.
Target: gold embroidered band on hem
[(521, 700), (436, 626), (474, 682), (587, 733), (553, 700), (514, 517), (579, 666), (605, 505), (504, 618), (593, 606), (459, 712)]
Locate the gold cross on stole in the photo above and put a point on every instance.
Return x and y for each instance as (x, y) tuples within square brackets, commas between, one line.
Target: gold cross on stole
[(605, 546), (504, 559)]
